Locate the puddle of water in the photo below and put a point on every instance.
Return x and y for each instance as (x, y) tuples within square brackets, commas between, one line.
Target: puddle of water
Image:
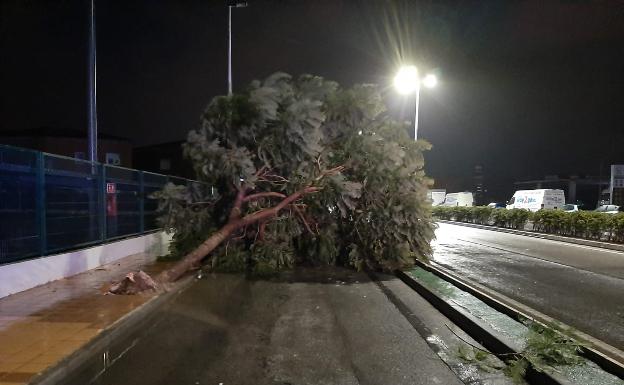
[(587, 373)]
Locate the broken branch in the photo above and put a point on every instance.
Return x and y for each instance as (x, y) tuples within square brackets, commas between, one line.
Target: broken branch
[(257, 196), (305, 222)]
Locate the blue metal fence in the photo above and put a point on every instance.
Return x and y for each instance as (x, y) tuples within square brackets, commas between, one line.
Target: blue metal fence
[(51, 203)]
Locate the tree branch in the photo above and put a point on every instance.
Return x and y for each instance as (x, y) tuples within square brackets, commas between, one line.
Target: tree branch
[(257, 196), (261, 171), (307, 226), (242, 236), (261, 227), (272, 178), (238, 203), (271, 212), (331, 171)]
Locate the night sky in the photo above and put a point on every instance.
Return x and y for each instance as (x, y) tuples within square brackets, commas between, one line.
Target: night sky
[(527, 88)]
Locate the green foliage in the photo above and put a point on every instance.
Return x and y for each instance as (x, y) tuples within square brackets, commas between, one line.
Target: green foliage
[(269, 258), (616, 226), (230, 259), (482, 215), (546, 349), (515, 218), (482, 359), (319, 250), (441, 212), (500, 217), (281, 135), (549, 221), (584, 224), (462, 214)]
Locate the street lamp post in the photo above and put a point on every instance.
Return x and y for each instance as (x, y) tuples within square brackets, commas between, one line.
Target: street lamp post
[(408, 81), (91, 86), (231, 4)]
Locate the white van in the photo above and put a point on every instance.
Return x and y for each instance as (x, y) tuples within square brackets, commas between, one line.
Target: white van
[(459, 199), (436, 196), (534, 200)]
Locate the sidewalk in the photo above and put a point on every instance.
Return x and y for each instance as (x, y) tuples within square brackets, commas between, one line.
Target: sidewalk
[(41, 326)]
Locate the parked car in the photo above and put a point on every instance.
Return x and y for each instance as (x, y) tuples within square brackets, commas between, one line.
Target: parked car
[(496, 205), (609, 209), (570, 208)]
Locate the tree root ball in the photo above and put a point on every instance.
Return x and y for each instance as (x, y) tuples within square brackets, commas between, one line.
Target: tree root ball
[(134, 283)]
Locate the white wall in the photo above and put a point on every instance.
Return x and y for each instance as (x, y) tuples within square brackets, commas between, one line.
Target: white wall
[(20, 276)]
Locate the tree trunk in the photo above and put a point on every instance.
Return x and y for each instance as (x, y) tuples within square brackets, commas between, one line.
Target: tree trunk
[(134, 283), (195, 257)]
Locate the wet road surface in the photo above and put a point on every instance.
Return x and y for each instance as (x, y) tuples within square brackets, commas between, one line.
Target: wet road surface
[(311, 327), (578, 285)]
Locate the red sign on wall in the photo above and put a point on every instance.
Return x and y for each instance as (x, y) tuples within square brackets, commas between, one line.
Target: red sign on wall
[(111, 188)]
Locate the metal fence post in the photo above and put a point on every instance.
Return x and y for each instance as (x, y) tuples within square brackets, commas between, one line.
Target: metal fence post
[(102, 210), (40, 205), (141, 202)]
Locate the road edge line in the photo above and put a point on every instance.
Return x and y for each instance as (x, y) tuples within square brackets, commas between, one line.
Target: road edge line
[(535, 234)]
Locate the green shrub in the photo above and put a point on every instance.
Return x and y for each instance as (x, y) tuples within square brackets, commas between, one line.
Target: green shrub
[(441, 212), (616, 227), (583, 224), (500, 217), (549, 221), (597, 224), (517, 218), (482, 214), (462, 214)]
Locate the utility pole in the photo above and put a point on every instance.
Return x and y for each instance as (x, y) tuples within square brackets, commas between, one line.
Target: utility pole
[(92, 86), (229, 50)]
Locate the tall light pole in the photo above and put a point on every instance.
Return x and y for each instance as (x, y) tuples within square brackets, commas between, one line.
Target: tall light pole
[(231, 4), (408, 81), (92, 86)]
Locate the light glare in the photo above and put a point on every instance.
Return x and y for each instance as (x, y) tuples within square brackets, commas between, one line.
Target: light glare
[(406, 80), (430, 81)]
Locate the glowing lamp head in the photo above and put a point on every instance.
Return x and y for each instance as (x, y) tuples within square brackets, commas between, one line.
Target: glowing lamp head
[(406, 80), (430, 81)]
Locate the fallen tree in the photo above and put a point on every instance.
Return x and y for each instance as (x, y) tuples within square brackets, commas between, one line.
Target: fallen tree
[(296, 171)]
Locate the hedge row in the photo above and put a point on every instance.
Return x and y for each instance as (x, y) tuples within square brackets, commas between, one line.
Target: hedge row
[(582, 224)]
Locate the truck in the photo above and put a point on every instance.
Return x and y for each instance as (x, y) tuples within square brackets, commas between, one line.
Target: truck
[(463, 198), (534, 200), (436, 196)]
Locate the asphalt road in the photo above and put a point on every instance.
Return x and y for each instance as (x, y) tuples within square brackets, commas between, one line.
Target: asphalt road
[(313, 326), (579, 285)]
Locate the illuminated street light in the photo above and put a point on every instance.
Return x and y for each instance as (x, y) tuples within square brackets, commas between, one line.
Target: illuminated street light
[(407, 81), (430, 81)]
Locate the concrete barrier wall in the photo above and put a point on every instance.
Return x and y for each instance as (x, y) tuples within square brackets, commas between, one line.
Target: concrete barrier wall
[(20, 276)]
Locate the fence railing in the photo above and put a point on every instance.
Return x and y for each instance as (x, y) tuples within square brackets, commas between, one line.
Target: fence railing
[(50, 203)]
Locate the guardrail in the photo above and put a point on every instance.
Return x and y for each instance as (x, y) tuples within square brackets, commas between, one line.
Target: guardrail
[(51, 203)]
